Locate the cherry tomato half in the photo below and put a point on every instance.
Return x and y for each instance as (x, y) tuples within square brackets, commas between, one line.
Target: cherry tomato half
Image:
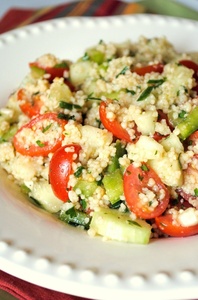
[(113, 126), (40, 127), (60, 169), (158, 68), (136, 180), (166, 225), (30, 105)]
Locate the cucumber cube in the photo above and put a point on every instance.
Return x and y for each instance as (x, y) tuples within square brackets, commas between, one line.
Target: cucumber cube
[(118, 226)]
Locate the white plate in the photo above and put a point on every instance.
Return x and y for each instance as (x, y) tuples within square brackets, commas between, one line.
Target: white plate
[(36, 247)]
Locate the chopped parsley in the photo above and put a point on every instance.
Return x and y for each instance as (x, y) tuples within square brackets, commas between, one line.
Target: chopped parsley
[(78, 172), (40, 144), (131, 222), (65, 117), (153, 84), (182, 114), (46, 128), (67, 105), (91, 97), (123, 71), (144, 168)]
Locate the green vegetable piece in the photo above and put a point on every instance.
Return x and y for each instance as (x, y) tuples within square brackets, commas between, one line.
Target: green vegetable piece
[(95, 56), (75, 217), (153, 83), (8, 135), (114, 225), (189, 124), (113, 184), (87, 188), (25, 189), (36, 72), (114, 164), (145, 93)]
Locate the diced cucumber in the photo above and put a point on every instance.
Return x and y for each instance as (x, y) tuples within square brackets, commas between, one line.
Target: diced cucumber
[(146, 148), (120, 151), (113, 184), (79, 71), (172, 141), (87, 188), (75, 217), (169, 170), (37, 72), (189, 124), (60, 91), (146, 122), (118, 226), (95, 55), (8, 135), (42, 193)]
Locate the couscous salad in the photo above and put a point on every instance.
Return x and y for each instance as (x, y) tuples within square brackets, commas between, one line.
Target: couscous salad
[(109, 142)]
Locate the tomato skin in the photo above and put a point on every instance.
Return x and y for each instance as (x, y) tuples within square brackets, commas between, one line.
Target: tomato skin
[(166, 225), (30, 107), (190, 65), (194, 66), (60, 169), (113, 126), (53, 71), (135, 179), (36, 150), (158, 68)]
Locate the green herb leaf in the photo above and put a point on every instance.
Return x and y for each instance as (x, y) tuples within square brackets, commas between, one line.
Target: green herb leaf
[(67, 105), (46, 128), (131, 222), (40, 144), (123, 71), (145, 93), (85, 57), (153, 83), (140, 177), (90, 97), (156, 82), (196, 192), (78, 172), (83, 204), (71, 212), (65, 117), (131, 92), (144, 167), (182, 114)]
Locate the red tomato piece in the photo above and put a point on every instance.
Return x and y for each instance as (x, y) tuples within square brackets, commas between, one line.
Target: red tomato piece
[(168, 226), (30, 106), (136, 180), (157, 68), (56, 71), (53, 71), (190, 65), (61, 168), (113, 126), (42, 124)]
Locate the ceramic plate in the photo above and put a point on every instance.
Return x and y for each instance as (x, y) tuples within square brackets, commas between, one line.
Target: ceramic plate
[(36, 247)]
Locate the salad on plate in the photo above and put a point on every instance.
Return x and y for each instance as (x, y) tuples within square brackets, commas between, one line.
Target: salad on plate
[(109, 142)]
